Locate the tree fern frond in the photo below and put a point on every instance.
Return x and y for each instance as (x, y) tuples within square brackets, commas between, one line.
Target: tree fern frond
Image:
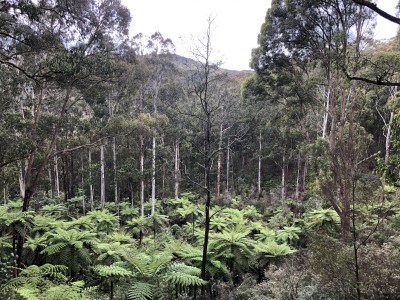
[(141, 291), (184, 275), (112, 271), (28, 292), (67, 292), (184, 279), (53, 249), (181, 267), (159, 261)]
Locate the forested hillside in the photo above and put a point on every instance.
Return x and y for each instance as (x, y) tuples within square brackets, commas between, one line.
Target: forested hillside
[(130, 172)]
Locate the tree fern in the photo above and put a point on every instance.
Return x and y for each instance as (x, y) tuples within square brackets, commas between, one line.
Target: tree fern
[(265, 235), (288, 234), (34, 280), (325, 219)]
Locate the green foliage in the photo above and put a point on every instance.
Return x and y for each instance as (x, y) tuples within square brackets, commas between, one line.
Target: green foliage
[(106, 221), (183, 275), (34, 280), (141, 291), (112, 271), (322, 219), (70, 248), (288, 234)]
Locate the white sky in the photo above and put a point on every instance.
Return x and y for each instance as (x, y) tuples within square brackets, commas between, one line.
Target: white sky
[(236, 26)]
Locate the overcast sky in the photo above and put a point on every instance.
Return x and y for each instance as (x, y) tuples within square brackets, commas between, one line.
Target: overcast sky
[(236, 26)]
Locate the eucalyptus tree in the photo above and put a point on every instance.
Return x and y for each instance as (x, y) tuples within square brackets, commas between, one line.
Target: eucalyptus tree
[(60, 50), (320, 31)]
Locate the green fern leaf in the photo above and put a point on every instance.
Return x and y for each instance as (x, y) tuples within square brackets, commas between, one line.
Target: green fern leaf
[(112, 271), (141, 291)]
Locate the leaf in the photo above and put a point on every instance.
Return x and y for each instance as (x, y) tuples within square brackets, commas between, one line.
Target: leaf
[(112, 271), (141, 291)]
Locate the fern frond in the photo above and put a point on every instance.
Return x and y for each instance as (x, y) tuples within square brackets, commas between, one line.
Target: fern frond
[(67, 292), (28, 292), (184, 279), (181, 267), (141, 291), (183, 275), (112, 271), (53, 249)]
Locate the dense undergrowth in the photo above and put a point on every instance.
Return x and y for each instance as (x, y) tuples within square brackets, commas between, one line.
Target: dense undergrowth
[(253, 254)]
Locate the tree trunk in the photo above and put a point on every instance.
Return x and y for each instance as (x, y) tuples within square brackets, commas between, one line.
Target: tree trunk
[(141, 176), (176, 170), (114, 154), (50, 182), (297, 194), (153, 177), (326, 112), (56, 174), (102, 179), (387, 141), (91, 189), (283, 178), (83, 187), (227, 166), (259, 167), (219, 163), (21, 180)]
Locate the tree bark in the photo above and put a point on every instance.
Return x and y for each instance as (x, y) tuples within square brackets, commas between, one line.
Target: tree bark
[(141, 176), (114, 154), (387, 140), (227, 166), (326, 112), (102, 179), (56, 173), (297, 193), (50, 182), (283, 177), (153, 177), (176, 170), (91, 189), (259, 166), (219, 163)]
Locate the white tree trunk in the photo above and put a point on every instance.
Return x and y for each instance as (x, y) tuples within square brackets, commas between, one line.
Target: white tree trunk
[(176, 170), (326, 113), (153, 177), (114, 154), (91, 189), (102, 179), (141, 176), (56, 174), (387, 142), (259, 166), (83, 189), (227, 167), (21, 180), (283, 181), (219, 162), (50, 181)]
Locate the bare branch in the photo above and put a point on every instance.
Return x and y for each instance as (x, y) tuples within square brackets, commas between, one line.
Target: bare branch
[(379, 11)]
